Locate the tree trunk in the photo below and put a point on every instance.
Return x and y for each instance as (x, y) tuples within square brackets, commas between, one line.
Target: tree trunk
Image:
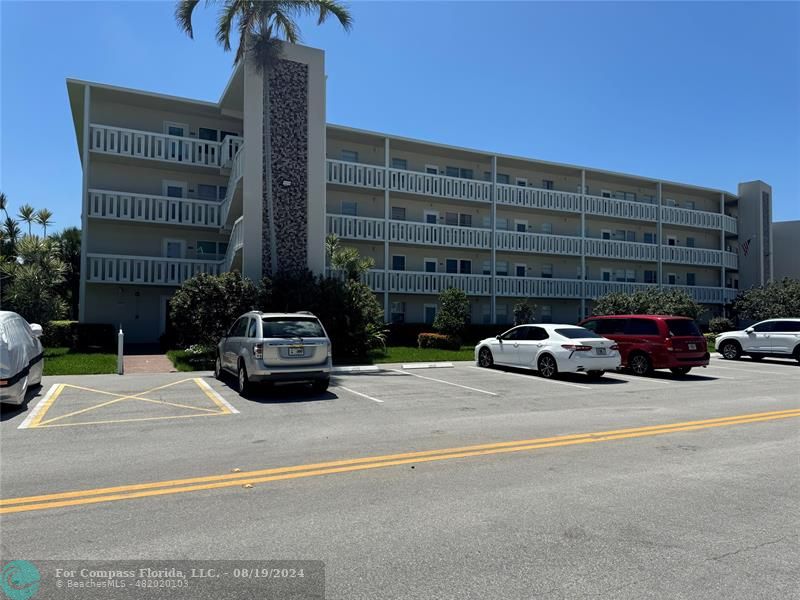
[(268, 195)]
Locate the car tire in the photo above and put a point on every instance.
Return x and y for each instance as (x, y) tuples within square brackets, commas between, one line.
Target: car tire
[(320, 385), (730, 350), (640, 364), (547, 366), (680, 370), (797, 354), (242, 381), (595, 374), (485, 358), (218, 367), (756, 357)]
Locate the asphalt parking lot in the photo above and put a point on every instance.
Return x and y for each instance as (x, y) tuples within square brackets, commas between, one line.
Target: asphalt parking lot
[(574, 486)]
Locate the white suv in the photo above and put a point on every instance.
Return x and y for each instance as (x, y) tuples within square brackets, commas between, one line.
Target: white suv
[(269, 347), (773, 337)]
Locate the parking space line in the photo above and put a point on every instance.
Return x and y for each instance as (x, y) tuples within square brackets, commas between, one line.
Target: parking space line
[(746, 370), (466, 387), (532, 378), (32, 419), (215, 397), (359, 394)]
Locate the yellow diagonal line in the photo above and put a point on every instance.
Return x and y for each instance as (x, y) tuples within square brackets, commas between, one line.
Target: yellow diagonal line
[(211, 410), (78, 412), (46, 407)]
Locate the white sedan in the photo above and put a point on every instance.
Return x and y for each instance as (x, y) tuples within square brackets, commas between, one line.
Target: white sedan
[(21, 357), (550, 349)]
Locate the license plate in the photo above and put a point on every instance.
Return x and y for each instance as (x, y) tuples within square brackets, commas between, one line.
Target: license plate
[(601, 351), (298, 351), (692, 346)]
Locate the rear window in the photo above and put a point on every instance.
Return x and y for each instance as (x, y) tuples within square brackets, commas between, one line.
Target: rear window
[(679, 327), (610, 326), (294, 327), (642, 327), (575, 333)]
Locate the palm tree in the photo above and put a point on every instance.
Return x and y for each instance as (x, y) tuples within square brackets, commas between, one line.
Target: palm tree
[(44, 218), (27, 214), (4, 203), (261, 25), (68, 247)]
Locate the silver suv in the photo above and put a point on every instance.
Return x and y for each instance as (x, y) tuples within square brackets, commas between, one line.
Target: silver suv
[(268, 347)]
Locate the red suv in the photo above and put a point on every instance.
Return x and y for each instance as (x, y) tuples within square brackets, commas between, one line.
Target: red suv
[(648, 342)]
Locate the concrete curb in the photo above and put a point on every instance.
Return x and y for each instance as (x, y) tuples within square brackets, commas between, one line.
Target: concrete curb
[(356, 369), (434, 365)]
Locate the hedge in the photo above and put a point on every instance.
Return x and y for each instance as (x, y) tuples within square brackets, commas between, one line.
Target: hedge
[(79, 336), (439, 341), (407, 334)]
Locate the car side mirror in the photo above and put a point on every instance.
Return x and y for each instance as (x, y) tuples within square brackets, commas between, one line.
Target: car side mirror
[(749, 330), (499, 338), (36, 329)]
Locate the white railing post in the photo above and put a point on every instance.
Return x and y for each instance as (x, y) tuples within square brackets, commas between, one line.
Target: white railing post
[(120, 357)]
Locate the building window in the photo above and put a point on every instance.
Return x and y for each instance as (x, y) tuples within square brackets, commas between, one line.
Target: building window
[(619, 275), (520, 225), (546, 314), (487, 175), (690, 204), (547, 228), (486, 317), (465, 220), (222, 191), (630, 236), (605, 193), (501, 224), (669, 202), (650, 276), (547, 271), (629, 196), (174, 191), (486, 268), (605, 234), (432, 217), (672, 241), (431, 169), (429, 313), (465, 266), (398, 213), (690, 279), (501, 268), (450, 218), (649, 237), (451, 265), (398, 312), (207, 249), (349, 208), (206, 192), (204, 133), (630, 275), (430, 265), (501, 313), (672, 279), (547, 184), (503, 178), (466, 174), (649, 198), (522, 182), (451, 171), (179, 129), (398, 262), (223, 134), (690, 242), (350, 156), (399, 163), (605, 275), (520, 270), (174, 248)]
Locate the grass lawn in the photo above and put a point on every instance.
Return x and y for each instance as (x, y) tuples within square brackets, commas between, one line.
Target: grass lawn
[(406, 354), (183, 361), (63, 361)]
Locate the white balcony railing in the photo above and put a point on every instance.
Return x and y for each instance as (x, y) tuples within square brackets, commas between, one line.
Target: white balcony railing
[(621, 250), (672, 215), (147, 208), (528, 197), (120, 141), (450, 236), (417, 282), (147, 270), (621, 209), (237, 170), (538, 287), (730, 224), (356, 174), (230, 148), (538, 243), (235, 243), (427, 184), (357, 228)]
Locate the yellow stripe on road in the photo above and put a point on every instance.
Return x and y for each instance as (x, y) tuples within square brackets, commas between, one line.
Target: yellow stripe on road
[(177, 486)]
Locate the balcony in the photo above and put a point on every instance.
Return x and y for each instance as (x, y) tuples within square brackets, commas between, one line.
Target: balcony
[(235, 176), (235, 243), (538, 287), (147, 208), (596, 248), (355, 174), (147, 270), (107, 139), (538, 243), (427, 184)]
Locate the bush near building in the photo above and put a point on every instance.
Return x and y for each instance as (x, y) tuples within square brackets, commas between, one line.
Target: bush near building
[(777, 299), (720, 325), (648, 302), (523, 312), (438, 341), (453, 314)]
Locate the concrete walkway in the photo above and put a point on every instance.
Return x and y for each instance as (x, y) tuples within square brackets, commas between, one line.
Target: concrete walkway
[(148, 363)]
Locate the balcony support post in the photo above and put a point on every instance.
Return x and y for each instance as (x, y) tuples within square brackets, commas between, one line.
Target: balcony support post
[(492, 262), (722, 251), (583, 244), (84, 205), (386, 214), (659, 241)]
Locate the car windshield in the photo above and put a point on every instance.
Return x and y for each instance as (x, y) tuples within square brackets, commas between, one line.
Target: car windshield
[(678, 327), (282, 327), (575, 333)]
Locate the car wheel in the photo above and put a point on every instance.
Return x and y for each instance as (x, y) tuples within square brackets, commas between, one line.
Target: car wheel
[(320, 385), (797, 354), (680, 370), (595, 374), (730, 350), (640, 364), (218, 367), (485, 358), (243, 383), (547, 366), (757, 357)]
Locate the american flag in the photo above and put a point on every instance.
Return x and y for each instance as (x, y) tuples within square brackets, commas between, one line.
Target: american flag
[(746, 245)]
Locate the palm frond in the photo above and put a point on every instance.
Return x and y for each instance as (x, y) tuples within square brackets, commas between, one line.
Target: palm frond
[(183, 15), (225, 20)]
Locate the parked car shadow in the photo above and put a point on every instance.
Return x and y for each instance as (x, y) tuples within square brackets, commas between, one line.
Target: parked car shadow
[(9, 411), (577, 378), (281, 393)]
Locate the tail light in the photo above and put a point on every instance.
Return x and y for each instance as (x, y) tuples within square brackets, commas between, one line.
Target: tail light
[(668, 344), (576, 348), (614, 347), (258, 350)]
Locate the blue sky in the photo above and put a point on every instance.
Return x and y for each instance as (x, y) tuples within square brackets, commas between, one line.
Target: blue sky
[(705, 93)]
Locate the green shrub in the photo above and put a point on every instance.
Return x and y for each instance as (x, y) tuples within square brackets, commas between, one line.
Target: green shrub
[(453, 313), (720, 325), (60, 334), (648, 302), (95, 336), (523, 312), (776, 300), (439, 341)]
